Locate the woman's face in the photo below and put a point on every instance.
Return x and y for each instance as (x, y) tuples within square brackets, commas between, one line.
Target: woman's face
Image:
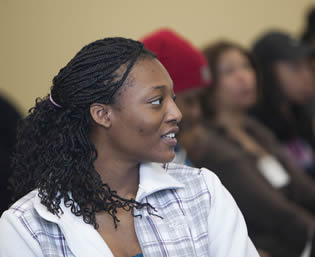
[(236, 83), (296, 80), (146, 122)]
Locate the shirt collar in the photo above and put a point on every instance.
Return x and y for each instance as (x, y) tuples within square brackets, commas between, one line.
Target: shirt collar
[(154, 178)]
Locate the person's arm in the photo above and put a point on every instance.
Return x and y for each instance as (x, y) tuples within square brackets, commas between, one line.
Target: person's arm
[(228, 236), (16, 239)]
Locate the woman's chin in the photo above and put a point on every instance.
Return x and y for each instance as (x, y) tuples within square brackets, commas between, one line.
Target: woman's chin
[(165, 158)]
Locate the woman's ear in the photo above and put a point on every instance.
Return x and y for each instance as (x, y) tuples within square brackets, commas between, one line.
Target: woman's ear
[(101, 114)]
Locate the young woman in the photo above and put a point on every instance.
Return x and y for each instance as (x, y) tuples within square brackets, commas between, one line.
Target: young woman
[(87, 161), (277, 200), (287, 88)]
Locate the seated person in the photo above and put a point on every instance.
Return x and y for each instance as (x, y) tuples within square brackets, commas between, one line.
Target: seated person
[(276, 198), (287, 88)]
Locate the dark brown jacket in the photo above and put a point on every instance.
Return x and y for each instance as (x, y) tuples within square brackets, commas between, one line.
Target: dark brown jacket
[(279, 220)]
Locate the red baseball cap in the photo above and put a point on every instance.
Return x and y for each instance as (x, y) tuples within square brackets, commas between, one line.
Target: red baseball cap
[(186, 65)]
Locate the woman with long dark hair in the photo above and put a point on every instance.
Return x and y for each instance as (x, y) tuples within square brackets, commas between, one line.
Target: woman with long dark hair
[(287, 87), (87, 166)]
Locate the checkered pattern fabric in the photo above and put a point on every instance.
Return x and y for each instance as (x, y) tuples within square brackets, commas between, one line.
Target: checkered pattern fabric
[(47, 234), (182, 229)]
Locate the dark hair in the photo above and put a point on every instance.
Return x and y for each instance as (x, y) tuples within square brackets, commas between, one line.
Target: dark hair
[(213, 53), (269, 107), (54, 152), (8, 123), (309, 32)]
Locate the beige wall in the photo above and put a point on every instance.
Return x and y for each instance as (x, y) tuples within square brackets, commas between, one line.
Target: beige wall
[(38, 37)]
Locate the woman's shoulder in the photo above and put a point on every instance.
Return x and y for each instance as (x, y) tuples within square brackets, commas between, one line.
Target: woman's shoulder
[(21, 223), (19, 227), (23, 206), (24, 224), (27, 213)]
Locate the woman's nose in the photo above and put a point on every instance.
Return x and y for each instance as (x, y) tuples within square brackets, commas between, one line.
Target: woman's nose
[(174, 114)]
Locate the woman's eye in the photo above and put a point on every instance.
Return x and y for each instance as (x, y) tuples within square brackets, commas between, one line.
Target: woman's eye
[(157, 102)]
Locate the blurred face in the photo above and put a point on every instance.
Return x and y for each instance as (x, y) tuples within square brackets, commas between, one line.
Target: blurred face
[(296, 80), (146, 122), (236, 84), (189, 104)]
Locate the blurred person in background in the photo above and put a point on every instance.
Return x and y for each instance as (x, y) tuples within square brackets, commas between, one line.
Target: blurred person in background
[(276, 198), (308, 35), (287, 88), (190, 73), (8, 125), (308, 38)]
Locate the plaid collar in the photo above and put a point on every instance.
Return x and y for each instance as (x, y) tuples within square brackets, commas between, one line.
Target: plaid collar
[(154, 178)]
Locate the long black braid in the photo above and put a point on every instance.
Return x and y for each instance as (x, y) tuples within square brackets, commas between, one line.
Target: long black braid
[(54, 152)]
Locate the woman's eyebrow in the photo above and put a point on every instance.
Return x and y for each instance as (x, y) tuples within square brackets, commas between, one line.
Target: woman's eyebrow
[(159, 87)]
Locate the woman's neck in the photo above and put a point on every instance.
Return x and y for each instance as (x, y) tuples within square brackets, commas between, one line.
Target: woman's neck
[(120, 176), (119, 173)]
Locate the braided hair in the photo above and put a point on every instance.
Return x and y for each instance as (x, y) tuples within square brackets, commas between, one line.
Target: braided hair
[(54, 153)]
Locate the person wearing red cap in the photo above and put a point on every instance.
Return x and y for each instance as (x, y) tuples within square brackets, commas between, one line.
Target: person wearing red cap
[(190, 73)]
